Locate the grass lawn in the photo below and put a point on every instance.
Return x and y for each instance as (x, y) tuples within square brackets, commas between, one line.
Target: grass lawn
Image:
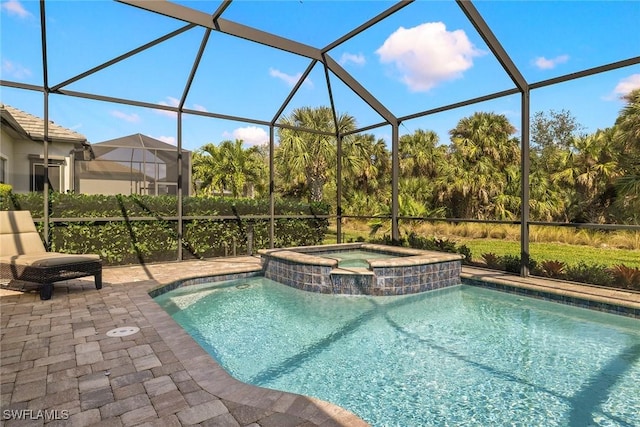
[(569, 254)]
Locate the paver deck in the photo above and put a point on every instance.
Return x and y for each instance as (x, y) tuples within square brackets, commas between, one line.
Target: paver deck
[(58, 366), (58, 363)]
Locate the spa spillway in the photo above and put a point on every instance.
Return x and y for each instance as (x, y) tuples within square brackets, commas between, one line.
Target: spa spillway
[(361, 269)]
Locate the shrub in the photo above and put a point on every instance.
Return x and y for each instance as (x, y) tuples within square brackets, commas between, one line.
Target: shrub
[(626, 276), (492, 260), (134, 240), (466, 251), (5, 190), (511, 263), (551, 268), (386, 240), (412, 240), (595, 273)]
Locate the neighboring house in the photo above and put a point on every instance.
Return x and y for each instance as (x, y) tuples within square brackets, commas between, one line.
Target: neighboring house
[(134, 164), (22, 152)]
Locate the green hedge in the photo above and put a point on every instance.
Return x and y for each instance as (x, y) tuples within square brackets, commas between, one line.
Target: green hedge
[(140, 241)]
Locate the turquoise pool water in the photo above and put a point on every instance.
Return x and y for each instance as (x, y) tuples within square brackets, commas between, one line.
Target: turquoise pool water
[(355, 258), (462, 356)]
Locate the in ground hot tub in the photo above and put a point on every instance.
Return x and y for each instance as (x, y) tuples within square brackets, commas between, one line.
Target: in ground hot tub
[(374, 270)]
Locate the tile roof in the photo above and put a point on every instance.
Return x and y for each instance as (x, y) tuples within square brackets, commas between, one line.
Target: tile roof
[(33, 127)]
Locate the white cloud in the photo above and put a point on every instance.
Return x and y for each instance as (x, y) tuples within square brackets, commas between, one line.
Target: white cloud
[(357, 59), (251, 135), (626, 85), (168, 139), (289, 79), (547, 64), (15, 70), (131, 118), (175, 102), (427, 55), (15, 8), (170, 102)]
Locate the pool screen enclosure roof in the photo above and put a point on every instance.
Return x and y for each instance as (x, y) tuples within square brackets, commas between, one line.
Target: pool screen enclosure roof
[(147, 164), (249, 25)]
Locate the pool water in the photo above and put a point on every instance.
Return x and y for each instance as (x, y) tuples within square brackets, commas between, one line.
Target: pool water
[(462, 356), (355, 258)]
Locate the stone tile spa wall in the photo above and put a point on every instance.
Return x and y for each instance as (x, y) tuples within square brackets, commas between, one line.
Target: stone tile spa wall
[(412, 271)]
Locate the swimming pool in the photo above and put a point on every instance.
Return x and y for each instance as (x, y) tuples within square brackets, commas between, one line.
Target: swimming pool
[(456, 356)]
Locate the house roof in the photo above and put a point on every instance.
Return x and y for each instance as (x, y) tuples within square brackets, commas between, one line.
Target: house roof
[(138, 141), (32, 127)]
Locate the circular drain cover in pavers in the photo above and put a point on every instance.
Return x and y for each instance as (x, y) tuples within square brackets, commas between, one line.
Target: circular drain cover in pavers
[(123, 331)]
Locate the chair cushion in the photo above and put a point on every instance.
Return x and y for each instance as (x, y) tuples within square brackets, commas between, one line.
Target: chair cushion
[(21, 243), (48, 259), (16, 222), (18, 234)]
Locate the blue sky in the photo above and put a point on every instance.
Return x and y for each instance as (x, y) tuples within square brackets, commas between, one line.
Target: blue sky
[(424, 56)]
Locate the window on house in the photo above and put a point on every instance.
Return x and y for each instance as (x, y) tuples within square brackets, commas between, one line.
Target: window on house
[(55, 175), (3, 170)]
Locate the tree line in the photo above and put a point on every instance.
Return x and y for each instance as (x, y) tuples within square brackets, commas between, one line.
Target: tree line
[(574, 176)]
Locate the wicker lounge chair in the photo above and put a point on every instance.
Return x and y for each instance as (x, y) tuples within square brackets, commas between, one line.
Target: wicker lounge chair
[(23, 256)]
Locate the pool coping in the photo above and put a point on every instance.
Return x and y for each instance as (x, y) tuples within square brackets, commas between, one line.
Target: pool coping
[(610, 300), (406, 256)]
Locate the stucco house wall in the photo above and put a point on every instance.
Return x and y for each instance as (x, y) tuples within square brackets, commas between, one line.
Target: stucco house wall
[(6, 153), (22, 149)]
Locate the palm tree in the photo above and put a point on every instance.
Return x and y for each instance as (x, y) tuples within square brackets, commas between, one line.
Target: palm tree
[(420, 155), (308, 159), (627, 141), (590, 168), (229, 167), (628, 122), (407, 207), (357, 202), (207, 175), (481, 167), (366, 163), (242, 167), (485, 136), (546, 198)]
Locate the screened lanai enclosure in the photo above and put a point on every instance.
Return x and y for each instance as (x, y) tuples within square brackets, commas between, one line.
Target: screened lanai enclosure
[(134, 164), (507, 115)]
